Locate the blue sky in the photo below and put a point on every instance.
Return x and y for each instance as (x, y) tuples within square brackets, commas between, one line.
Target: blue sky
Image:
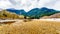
[(29, 4)]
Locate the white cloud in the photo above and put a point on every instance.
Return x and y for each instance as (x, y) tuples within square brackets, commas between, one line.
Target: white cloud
[(29, 4), (4, 4)]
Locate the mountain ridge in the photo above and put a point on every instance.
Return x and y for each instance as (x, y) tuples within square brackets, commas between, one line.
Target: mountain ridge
[(35, 12)]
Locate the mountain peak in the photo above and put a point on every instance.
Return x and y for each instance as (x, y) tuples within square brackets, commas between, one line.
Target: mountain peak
[(44, 8), (34, 9)]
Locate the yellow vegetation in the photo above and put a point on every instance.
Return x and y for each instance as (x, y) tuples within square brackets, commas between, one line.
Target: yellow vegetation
[(5, 14), (31, 27)]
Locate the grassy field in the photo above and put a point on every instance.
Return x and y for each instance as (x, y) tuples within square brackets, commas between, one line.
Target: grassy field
[(31, 27)]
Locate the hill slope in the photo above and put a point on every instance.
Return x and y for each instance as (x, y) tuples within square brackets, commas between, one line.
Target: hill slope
[(57, 15), (9, 15)]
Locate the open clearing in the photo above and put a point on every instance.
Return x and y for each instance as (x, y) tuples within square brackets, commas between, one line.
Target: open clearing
[(35, 26)]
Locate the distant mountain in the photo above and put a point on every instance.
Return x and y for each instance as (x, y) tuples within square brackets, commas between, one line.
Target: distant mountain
[(19, 12), (40, 12), (35, 13)]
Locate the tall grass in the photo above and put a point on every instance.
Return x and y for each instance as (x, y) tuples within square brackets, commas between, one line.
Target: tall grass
[(31, 27)]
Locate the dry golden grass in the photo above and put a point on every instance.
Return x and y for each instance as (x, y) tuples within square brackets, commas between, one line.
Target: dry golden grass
[(31, 27), (9, 15)]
